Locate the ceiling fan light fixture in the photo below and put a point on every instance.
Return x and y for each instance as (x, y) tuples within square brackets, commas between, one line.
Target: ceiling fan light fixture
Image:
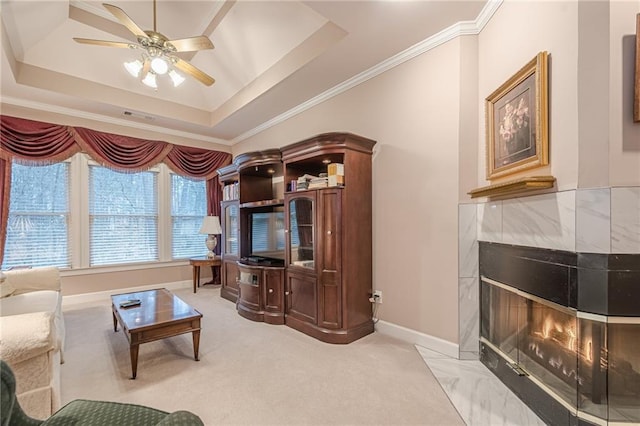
[(150, 80), (158, 51), (134, 67), (159, 65), (176, 78)]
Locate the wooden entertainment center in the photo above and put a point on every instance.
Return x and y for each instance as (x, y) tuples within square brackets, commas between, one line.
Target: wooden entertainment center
[(298, 255)]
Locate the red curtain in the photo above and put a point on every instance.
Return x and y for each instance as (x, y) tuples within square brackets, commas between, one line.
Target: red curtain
[(37, 142), (214, 196)]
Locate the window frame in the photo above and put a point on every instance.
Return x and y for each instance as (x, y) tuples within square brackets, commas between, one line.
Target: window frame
[(79, 236)]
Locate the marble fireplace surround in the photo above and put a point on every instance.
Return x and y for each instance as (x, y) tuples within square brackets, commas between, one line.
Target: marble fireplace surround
[(592, 220), (606, 285)]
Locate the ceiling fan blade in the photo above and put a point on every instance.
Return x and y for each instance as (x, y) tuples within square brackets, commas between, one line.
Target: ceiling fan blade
[(192, 44), (185, 66), (125, 20), (104, 42)]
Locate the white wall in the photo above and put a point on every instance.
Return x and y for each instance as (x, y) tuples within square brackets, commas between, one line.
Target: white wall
[(624, 135), (592, 139), (514, 36), (412, 111)]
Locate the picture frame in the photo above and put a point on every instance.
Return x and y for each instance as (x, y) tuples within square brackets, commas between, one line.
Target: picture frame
[(517, 121), (636, 99)]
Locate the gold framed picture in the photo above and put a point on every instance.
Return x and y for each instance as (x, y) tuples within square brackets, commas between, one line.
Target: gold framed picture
[(517, 121)]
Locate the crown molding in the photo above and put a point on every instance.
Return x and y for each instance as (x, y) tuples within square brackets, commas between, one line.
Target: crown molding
[(459, 29), (110, 120)]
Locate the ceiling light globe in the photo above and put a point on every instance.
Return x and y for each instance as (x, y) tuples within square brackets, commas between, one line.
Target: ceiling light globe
[(150, 80), (159, 65), (133, 67), (176, 78)]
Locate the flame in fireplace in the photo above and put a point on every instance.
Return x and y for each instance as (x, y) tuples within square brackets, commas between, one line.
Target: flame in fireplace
[(546, 327), (563, 334)]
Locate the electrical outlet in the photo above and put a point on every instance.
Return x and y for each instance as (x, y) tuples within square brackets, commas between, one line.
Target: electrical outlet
[(377, 296)]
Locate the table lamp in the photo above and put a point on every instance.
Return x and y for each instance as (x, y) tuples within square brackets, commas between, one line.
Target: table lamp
[(211, 227)]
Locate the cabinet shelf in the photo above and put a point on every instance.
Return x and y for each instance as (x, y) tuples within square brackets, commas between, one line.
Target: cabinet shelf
[(263, 203), (299, 191)]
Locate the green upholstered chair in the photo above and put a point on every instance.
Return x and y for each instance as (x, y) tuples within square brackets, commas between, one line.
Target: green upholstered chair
[(87, 413)]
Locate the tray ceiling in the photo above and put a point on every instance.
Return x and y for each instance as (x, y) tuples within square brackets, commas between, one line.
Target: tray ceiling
[(269, 56)]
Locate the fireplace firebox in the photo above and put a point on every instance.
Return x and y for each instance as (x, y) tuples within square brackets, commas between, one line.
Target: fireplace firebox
[(570, 364)]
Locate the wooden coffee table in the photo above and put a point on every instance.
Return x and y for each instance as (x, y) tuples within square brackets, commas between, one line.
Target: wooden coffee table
[(160, 315)]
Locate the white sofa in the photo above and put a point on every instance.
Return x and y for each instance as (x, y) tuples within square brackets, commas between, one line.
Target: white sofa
[(32, 335)]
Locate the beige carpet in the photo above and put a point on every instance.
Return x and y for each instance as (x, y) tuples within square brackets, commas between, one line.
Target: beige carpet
[(252, 373)]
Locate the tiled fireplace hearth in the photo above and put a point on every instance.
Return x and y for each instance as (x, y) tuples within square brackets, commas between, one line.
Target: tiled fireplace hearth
[(562, 330)]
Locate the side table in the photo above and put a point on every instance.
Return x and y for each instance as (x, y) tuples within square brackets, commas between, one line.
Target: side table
[(199, 261)]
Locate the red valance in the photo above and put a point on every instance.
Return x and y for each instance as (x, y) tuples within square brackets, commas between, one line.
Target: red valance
[(121, 152), (36, 141), (47, 143), (196, 162)]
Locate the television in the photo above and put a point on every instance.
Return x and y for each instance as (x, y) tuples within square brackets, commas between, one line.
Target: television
[(266, 237)]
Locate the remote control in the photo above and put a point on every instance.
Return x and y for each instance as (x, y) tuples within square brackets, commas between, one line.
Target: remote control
[(130, 303)]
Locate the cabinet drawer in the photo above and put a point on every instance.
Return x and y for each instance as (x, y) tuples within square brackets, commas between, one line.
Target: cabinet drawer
[(273, 297), (249, 296)]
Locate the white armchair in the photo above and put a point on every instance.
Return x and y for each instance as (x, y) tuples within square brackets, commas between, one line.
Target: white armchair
[(32, 335)]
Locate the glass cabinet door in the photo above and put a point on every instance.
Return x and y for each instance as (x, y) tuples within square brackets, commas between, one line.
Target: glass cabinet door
[(231, 229), (301, 232)]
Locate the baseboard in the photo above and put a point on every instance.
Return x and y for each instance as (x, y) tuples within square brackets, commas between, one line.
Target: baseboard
[(104, 296), (417, 338)]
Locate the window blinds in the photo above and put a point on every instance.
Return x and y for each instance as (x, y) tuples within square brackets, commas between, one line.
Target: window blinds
[(38, 225), (123, 216), (188, 207)]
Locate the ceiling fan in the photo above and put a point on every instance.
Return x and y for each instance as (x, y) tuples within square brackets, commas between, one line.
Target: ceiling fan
[(158, 51)]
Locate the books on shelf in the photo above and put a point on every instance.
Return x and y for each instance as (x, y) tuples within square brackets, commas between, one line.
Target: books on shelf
[(335, 169), (336, 174), (335, 180), (231, 192), (319, 182), (333, 177)]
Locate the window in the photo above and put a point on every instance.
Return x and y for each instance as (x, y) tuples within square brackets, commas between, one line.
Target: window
[(188, 207), (38, 225), (78, 214), (123, 216)]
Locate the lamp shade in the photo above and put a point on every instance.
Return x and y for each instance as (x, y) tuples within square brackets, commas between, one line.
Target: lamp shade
[(211, 225)]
